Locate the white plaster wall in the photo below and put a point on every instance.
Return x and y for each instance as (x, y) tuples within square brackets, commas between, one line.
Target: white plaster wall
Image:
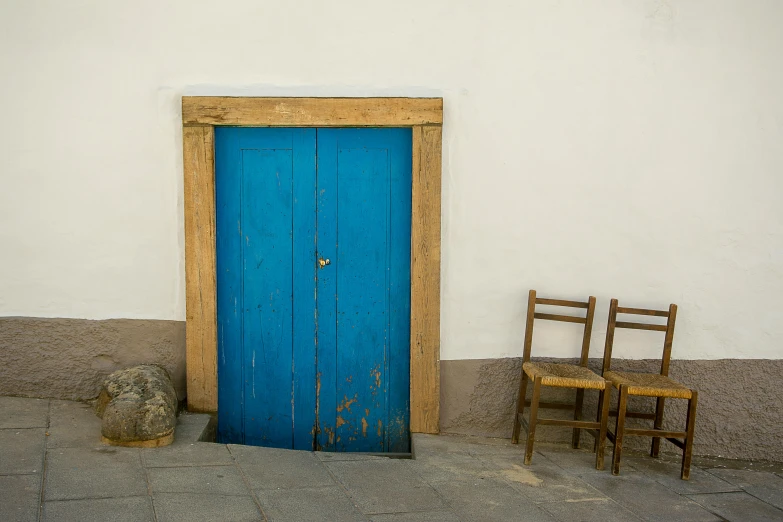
[(628, 149)]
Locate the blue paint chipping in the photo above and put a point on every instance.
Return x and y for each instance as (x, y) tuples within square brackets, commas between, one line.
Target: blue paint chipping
[(311, 356)]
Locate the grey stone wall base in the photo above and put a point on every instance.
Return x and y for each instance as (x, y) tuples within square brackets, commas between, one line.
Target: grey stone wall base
[(69, 358), (740, 411)]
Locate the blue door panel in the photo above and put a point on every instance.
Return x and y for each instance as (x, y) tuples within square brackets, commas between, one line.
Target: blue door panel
[(363, 174), (267, 337), (362, 306), (261, 250), (313, 356)]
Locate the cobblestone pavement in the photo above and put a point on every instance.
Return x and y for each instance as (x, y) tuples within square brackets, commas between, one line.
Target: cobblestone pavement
[(53, 467)]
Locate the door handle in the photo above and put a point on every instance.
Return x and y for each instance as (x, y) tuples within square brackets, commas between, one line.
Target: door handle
[(323, 262)]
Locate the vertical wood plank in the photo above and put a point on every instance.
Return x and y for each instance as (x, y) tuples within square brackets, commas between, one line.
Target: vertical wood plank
[(398, 363), (425, 280), (266, 202), (362, 304), (200, 328), (228, 263), (305, 273), (326, 304)]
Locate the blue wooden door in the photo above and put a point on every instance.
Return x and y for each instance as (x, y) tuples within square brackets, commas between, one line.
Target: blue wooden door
[(313, 278)]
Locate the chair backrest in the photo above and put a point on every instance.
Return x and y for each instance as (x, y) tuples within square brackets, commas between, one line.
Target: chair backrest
[(587, 320), (670, 315)]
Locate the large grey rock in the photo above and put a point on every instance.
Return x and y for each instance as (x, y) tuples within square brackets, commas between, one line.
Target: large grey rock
[(138, 406)]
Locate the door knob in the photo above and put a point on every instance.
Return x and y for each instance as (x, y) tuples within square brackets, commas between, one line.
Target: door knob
[(323, 262)]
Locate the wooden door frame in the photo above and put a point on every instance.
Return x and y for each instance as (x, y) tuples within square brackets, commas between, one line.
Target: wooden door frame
[(200, 116)]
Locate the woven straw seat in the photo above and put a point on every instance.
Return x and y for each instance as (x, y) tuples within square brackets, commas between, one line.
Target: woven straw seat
[(564, 375), (648, 384)]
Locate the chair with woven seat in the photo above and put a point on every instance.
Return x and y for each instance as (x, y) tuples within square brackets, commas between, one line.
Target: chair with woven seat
[(577, 376), (657, 385)]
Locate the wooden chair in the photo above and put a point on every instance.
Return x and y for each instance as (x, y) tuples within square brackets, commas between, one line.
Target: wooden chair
[(560, 376), (657, 385)]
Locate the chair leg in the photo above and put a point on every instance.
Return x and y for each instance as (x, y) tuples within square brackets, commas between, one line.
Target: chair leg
[(531, 430), (580, 397), (520, 409), (598, 412), (689, 430), (656, 442), (619, 430), (600, 441)]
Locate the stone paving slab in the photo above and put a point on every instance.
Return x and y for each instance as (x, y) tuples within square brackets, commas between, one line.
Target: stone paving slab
[(22, 450), (762, 485), (589, 510), (192, 427), (190, 507), (187, 454), (328, 456), (489, 500), (128, 509), (387, 486), (424, 444), (649, 499), (207, 480), (577, 461), (542, 480), (295, 505), (668, 473), (72, 424), (419, 516), (434, 468), (271, 468), (497, 447), (20, 496), (20, 412), (98, 472), (440, 445), (739, 506)]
